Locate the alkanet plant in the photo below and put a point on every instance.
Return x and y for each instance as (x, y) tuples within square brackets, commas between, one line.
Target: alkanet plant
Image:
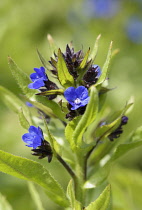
[(69, 90)]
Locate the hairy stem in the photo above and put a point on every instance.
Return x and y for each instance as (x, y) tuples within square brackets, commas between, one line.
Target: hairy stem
[(87, 157), (80, 178), (66, 166)]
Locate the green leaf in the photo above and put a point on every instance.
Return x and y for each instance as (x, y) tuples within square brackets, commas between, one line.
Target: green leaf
[(21, 78), (122, 149), (52, 106), (55, 146), (69, 130), (32, 171), (95, 49), (76, 205), (43, 61), (41, 106), (35, 196), (23, 121), (53, 46), (52, 92), (105, 67), (4, 205), (88, 117), (84, 61), (14, 103), (83, 67), (64, 76), (102, 202)]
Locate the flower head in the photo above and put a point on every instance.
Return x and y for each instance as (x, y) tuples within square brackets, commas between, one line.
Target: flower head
[(72, 59), (34, 138), (92, 75), (38, 78), (77, 97)]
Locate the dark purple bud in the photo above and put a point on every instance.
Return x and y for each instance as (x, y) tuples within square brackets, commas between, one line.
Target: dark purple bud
[(92, 75)]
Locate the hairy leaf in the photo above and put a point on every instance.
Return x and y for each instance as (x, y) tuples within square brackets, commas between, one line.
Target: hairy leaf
[(102, 202), (21, 78), (32, 171), (76, 205), (23, 121)]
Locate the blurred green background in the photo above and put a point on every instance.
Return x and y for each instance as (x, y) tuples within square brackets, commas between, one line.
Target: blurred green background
[(24, 26)]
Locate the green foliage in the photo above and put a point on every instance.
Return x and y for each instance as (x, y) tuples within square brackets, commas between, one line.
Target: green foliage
[(103, 202), (95, 49), (51, 92), (23, 121), (51, 106), (87, 161), (64, 76), (32, 171), (88, 117), (21, 78), (105, 67), (76, 205)]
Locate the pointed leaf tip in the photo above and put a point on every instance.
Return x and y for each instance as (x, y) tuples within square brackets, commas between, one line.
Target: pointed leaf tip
[(103, 201)]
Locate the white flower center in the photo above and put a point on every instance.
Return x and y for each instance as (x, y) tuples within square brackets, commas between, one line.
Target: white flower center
[(77, 101)]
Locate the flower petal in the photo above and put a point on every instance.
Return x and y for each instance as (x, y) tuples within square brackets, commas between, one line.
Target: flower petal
[(70, 94), (41, 73), (33, 129), (40, 133), (34, 76), (37, 84), (27, 138), (82, 92), (37, 142)]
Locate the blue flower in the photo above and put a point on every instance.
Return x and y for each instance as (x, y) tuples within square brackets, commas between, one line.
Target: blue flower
[(77, 97), (101, 8), (38, 78), (34, 138), (134, 29)]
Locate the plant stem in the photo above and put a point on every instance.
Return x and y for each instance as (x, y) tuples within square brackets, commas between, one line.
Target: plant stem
[(66, 166), (80, 178), (87, 157)]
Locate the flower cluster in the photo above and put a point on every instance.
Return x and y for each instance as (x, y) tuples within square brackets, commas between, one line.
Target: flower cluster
[(72, 59), (77, 97), (75, 93)]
